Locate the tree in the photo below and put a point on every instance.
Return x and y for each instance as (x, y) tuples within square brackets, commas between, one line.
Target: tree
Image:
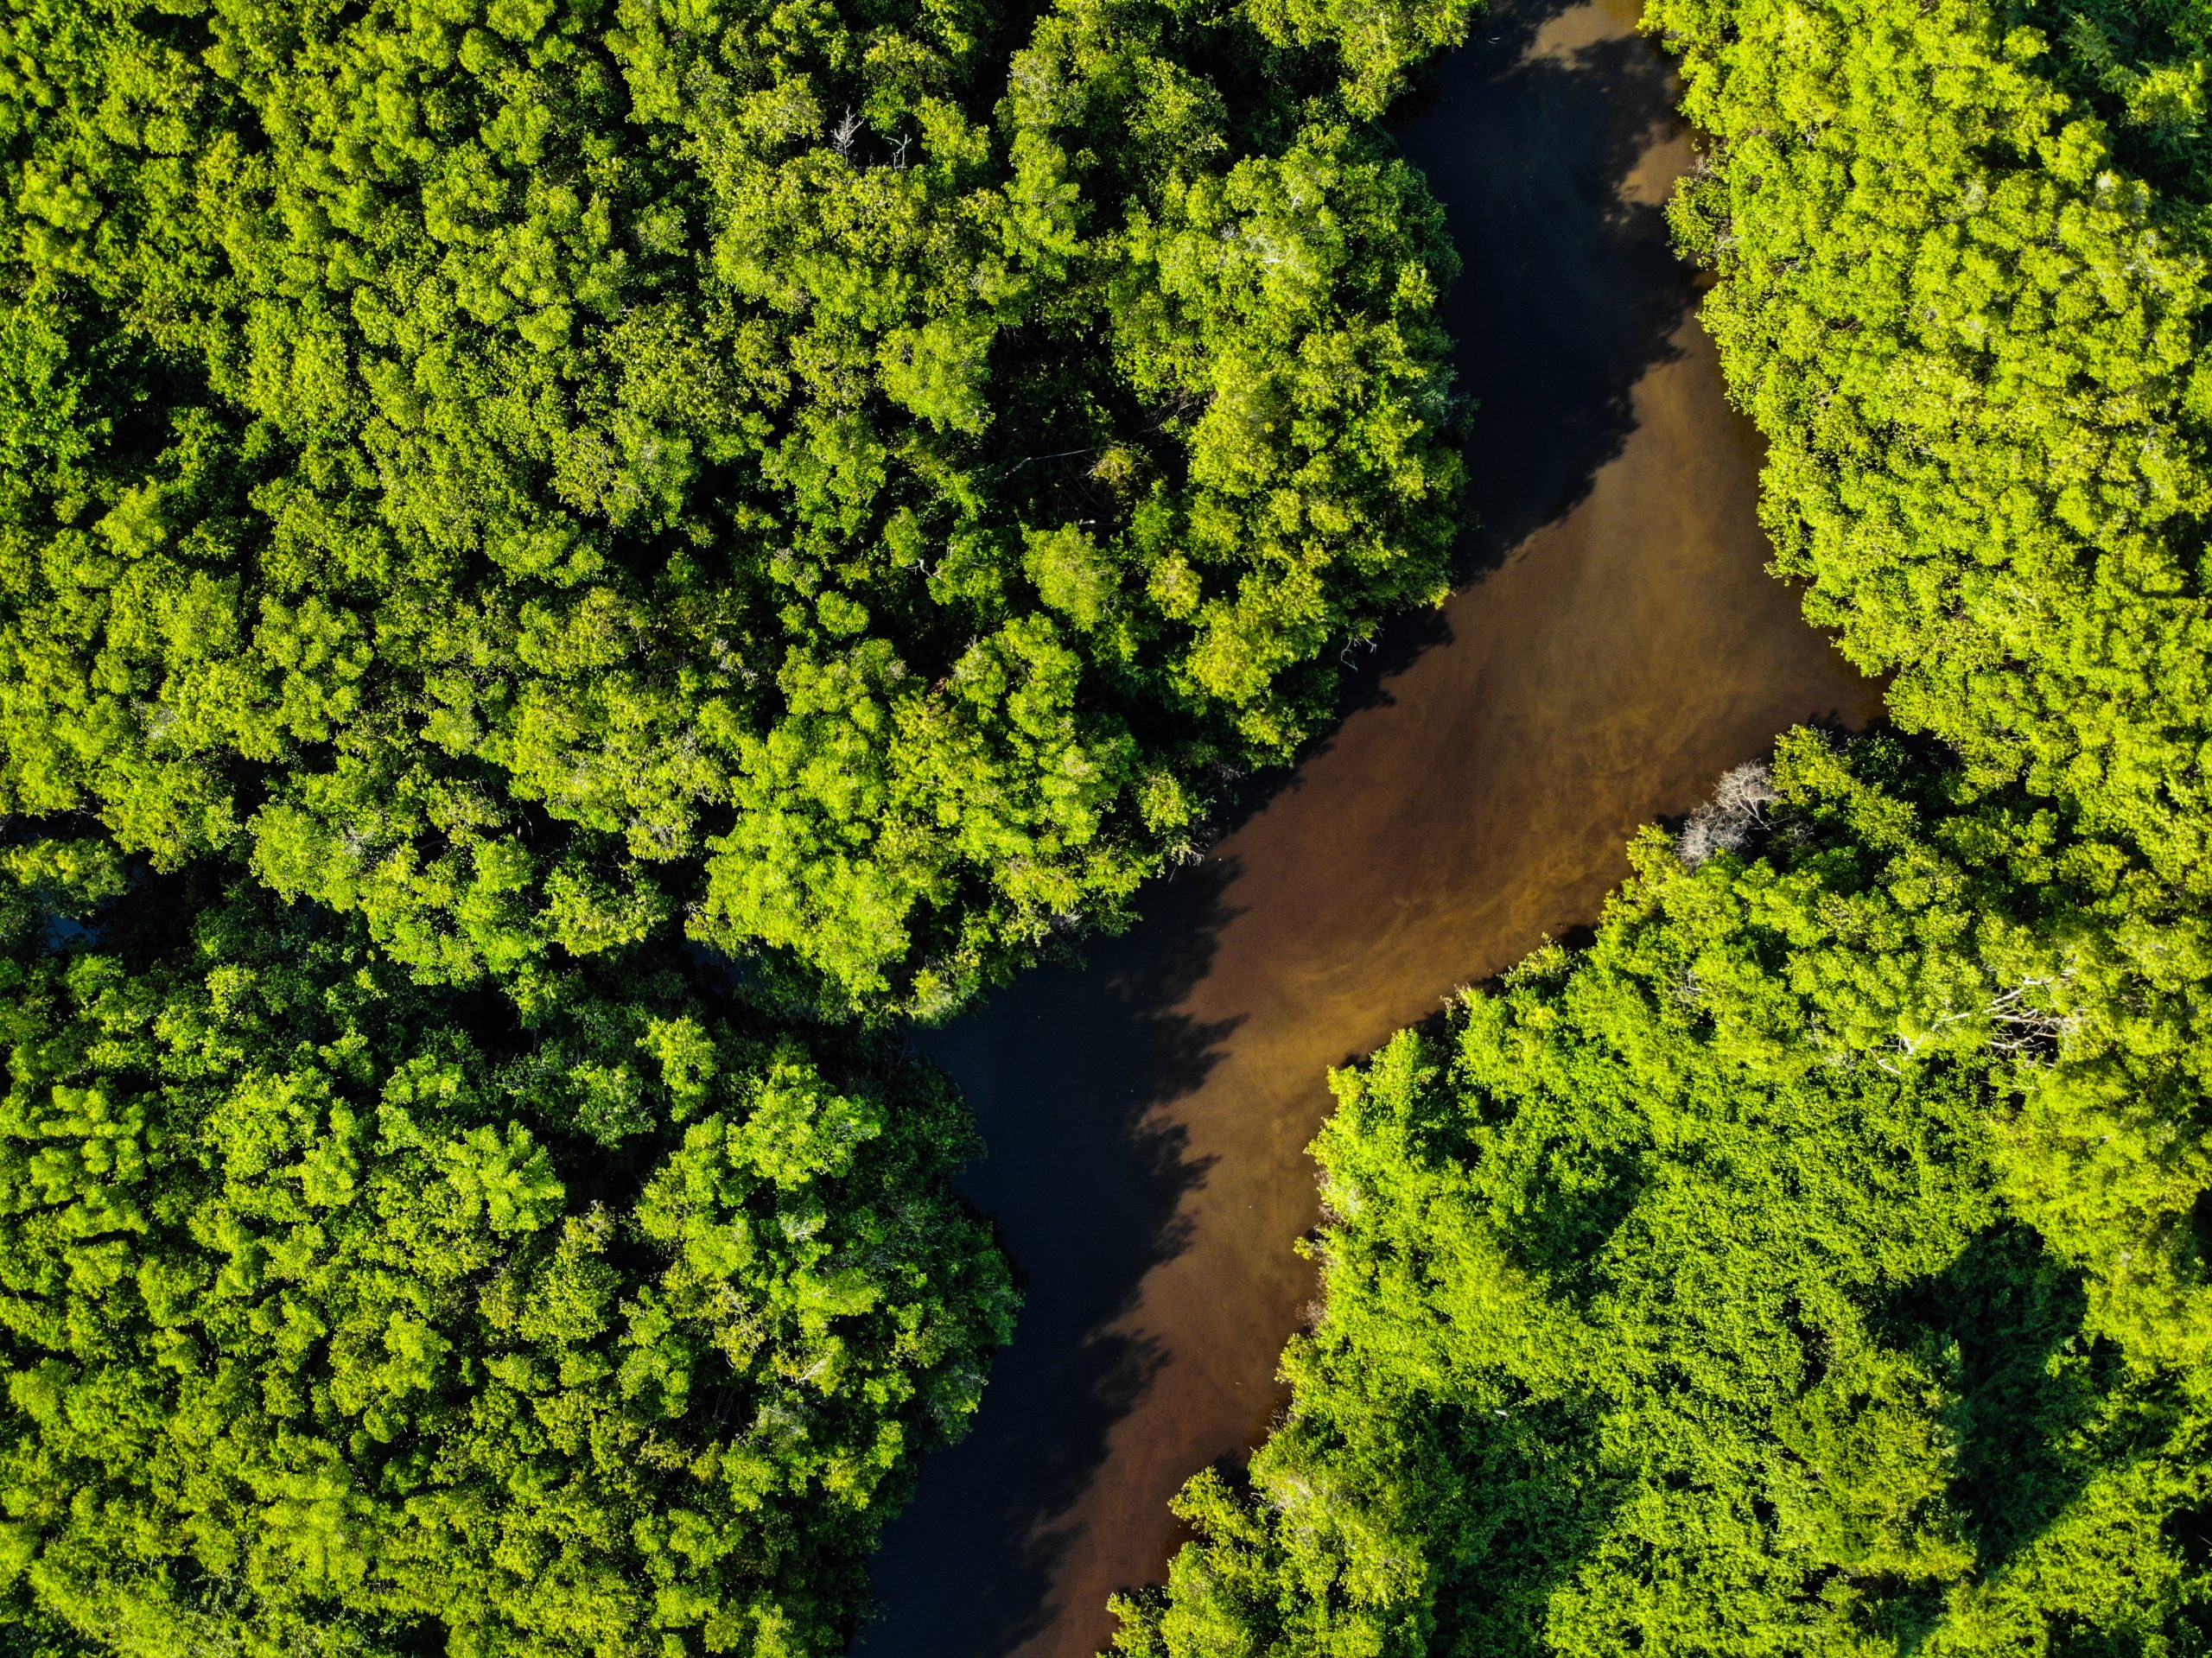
[(1696, 1293), (847, 482), (1972, 341), (338, 1315)]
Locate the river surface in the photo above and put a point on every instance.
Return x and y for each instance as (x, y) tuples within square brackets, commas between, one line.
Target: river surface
[(1617, 645)]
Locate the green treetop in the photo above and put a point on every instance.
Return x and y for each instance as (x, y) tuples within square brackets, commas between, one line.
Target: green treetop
[(1974, 337), (840, 479), (1810, 1268), (339, 1316)]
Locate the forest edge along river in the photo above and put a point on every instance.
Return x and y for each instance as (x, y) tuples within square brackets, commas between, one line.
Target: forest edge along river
[(1617, 645)]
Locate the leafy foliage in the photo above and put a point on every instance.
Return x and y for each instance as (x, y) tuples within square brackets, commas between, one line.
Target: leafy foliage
[(1975, 341), (1724, 1287), (1379, 45), (2142, 68), (342, 1315), (844, 478), (1817, 1263)]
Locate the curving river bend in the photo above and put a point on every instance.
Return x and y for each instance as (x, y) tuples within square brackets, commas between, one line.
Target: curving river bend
[(1617, 645)]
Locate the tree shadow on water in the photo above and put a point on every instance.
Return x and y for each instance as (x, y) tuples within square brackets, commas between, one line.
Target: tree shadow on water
[(1065, 1070), (1568, 293), (1568, 296)]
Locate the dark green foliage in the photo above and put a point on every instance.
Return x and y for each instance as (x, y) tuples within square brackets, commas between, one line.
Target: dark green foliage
[(842, 479), (342, 1315), (1378, 45), (2142, 65), (1762, 1280), (39, 1636)]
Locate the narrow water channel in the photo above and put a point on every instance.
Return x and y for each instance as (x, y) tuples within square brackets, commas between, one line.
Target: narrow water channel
[(1617, 645)]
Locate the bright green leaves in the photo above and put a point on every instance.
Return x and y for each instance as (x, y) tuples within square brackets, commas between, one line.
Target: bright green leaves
[(1070, 574), (2142, 68), (880, 795), (327, 1320), (524, 477), (1970, 339), (507, 1179), (798, 1129), (1863, 1480), (1972, 332), (1688, 1296), (939, 372), (453, 448), (1281, 302)]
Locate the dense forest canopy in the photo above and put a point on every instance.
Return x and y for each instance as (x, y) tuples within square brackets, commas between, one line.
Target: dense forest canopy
[(1989, 460), (341, 1316), (488, 490), (842, 480), (1974, 336), (1820, 1261), (1814, 1265)]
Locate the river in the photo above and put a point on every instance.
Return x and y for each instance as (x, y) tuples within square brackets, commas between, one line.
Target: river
[(1617, 645)]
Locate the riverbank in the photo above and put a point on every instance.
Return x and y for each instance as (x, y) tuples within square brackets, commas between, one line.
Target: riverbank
[(1618, 644)]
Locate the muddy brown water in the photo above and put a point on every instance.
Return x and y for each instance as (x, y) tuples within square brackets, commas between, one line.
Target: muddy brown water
[(1618, 646)]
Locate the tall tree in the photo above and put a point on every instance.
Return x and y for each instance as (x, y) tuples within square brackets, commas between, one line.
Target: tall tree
[(845, 481), (342, 1315)]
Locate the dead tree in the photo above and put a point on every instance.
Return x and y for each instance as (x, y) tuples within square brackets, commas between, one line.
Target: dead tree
[(1728, 821)]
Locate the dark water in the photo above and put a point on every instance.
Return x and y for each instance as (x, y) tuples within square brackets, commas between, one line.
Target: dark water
[(1617, 645)]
